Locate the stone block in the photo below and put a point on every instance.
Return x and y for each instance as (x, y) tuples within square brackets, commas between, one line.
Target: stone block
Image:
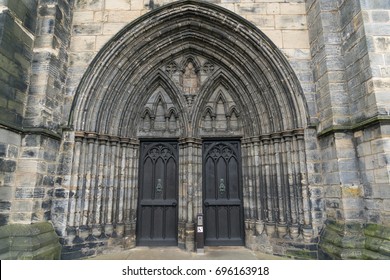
[(102, 40), (386, 204), (377, 29), (28, 165), (286, 22), (122, 16), (368, 162), (36, 241), (80, 17), (273, 8), (13, 151), (7, 165), (245, 9), (292, 8), (12, 67), (87, 29), (22, 206), (112, 28), (83, 43), (89, 4), (381, 175), (262, 21), (5, 206), (375, 4), (378, 191), (382, 160), (380, 145), (299, 54), (31, 152), (6, 192), (295, 39), (385, 71), (118, 4), (332, 191), (380, 16), (100, 16), (381, 84), (275, 36), (138, 4)]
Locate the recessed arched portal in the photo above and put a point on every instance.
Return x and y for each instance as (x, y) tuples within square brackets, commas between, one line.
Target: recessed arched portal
[(179, 80)]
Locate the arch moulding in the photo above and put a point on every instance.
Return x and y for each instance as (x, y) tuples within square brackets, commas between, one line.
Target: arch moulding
[(188, 71)]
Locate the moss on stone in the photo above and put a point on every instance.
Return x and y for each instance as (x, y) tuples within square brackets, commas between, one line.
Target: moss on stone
[(376, 230), (355, 241), (29, 242), (301, 254)]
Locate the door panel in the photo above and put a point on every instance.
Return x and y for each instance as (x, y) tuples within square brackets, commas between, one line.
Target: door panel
[(158, 194), (222, 195)]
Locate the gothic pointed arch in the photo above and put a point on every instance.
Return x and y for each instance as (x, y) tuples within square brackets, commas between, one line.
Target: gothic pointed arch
[(237, 85), (162, 98), (262, 69), (220, 88)]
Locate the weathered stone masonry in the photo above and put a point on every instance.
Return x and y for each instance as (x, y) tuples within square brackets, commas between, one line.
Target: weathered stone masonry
[(82, 82), (34, 48)]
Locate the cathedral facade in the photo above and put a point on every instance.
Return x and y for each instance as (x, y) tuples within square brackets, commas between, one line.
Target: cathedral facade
[(121, 121)]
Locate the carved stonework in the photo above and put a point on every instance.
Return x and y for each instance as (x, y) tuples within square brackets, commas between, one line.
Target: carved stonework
[(220, 114), (190, 79), (171, 68), (189, 73), (159, 116), (208, 67)]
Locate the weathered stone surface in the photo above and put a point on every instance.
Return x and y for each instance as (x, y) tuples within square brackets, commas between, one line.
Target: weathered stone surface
[(46, 51), (15, 59), (373, 242), (29, 242)]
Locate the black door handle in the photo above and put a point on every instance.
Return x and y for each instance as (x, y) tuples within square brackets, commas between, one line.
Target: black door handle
[(206, 204), (174, 203)]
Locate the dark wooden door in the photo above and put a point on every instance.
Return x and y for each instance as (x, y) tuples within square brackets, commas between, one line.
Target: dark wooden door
[(222, 194), (157, 210)]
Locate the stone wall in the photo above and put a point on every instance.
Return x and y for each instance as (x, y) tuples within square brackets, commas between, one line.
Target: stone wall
[(33, 50), (37, 164), (341, 189), (348, 71), (18, 21), (373, 143), (9, 152), (376, 22), (339, 51)]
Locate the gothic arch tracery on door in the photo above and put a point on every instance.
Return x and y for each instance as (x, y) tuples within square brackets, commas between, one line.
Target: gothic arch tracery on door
[(225, 79)]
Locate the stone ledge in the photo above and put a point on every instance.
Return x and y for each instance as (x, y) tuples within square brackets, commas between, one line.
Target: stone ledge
[(355, 241), (30, 130), (29, 242), (354, 127)]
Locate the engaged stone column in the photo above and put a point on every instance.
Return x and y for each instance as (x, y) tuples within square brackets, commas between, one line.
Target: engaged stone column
[(189, 190)]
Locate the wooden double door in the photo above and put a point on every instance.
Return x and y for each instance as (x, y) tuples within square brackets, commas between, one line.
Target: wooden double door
[(157, 223)]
